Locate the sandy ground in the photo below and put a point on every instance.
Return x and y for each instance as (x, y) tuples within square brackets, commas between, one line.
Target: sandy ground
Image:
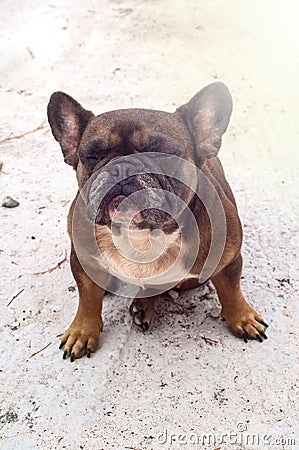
[(188, 383)]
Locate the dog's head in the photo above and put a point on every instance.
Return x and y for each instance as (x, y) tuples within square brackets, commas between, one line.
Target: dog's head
[(131, 158)]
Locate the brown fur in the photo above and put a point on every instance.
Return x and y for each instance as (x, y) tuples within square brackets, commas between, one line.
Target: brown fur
[(195, 130)]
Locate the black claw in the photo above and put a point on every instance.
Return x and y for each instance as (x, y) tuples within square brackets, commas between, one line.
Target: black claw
[(131, 309), (72, 358), (259, 338), (244, 336), (145, 326), (61, 345), (263, 335), (65, 353), (264, 323), (88, 352)]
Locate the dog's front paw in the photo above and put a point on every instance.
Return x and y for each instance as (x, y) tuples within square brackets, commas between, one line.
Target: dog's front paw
[(246, 323), (82, 337), (142, 312)]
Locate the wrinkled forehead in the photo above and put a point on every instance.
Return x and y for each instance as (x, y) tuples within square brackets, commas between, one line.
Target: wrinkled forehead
[(138, 129)]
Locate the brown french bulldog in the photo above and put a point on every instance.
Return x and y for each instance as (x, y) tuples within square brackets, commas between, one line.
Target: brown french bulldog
[(151, 179)]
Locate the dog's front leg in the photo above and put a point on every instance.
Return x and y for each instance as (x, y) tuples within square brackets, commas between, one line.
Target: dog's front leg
[(82, 335), (241, 318)]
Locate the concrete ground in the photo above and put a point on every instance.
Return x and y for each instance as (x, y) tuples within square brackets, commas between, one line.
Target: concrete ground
[(188, 383)]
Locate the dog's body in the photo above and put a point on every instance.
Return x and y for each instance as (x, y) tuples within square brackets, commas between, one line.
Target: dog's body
[(111, 145)]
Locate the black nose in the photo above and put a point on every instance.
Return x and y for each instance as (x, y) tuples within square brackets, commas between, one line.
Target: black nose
[(122, 170)]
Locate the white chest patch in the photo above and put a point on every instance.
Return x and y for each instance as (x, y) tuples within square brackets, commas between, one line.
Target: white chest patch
[(141, 257)]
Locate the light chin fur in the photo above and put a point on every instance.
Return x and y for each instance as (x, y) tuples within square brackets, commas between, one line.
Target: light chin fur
[(136, 243)]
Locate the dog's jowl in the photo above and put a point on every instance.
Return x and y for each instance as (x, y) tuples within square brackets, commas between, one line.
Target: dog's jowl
[(153, 211)]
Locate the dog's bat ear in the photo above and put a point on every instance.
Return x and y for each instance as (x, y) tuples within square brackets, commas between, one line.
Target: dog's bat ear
[(207, 115), (68, 121)]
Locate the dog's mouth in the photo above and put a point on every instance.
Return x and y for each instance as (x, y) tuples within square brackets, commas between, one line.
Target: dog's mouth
[(137, 202), (136, 213), (129, 213)]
